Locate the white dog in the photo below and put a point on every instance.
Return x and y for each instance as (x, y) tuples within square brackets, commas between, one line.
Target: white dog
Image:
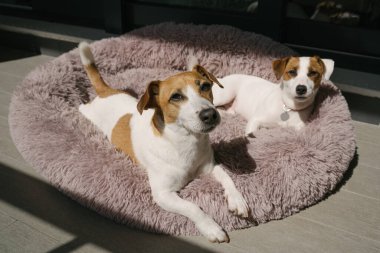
[(166, 132), (266, 104)]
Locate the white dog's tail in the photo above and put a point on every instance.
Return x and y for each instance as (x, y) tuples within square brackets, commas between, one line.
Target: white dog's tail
[(87, 58), (191, 62), (86, 55)]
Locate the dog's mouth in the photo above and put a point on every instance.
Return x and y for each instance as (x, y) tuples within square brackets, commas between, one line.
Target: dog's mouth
[(301, 98), (208, 128), (203, 129)]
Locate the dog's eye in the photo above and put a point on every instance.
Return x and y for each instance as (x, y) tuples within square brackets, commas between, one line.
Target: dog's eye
[(292, 72), (313, 73), (205, 87), (176, 97)]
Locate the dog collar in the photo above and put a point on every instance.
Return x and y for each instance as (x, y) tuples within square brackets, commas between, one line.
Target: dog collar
[(287, 108), (285, 114)]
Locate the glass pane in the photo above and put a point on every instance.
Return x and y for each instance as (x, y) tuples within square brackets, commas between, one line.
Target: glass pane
[(240, 6), (355, 13), (16, 2)]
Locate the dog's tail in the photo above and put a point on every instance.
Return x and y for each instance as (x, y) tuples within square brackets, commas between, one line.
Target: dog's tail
[(87, 58), (191, 62)]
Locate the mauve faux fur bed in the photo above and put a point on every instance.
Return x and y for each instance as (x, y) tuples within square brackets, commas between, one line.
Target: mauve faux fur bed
[(279, 173)]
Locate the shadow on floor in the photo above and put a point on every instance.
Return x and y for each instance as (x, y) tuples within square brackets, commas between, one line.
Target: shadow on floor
[(9, 54), (348, 174), (362, 108), (45, 202)]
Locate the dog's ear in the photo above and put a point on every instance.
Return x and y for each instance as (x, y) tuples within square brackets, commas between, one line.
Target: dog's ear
[(149, 99), (279, 66), (203, 72), (329, 68)]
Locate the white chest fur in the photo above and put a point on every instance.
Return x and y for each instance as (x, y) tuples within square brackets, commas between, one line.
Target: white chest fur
[(172, 159)]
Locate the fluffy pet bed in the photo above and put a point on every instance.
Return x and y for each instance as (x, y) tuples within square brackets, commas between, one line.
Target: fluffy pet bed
[(280, 172)]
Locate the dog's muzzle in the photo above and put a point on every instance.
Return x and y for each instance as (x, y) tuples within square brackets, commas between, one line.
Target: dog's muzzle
[(301, 89), (210, 117)]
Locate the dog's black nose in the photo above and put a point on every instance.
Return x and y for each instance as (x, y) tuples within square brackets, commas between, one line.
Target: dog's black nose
[(209, 116), (301, 89)]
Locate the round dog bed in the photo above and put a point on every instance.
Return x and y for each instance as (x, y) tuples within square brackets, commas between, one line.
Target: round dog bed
[(279, 172)]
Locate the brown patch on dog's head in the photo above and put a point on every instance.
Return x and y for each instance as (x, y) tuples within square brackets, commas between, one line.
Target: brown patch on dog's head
[(167, 96), (316, 70), (286, 67), (279, 65), (149, 98)]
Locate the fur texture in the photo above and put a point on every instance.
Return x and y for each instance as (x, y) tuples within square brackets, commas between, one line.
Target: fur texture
[(280, 172)]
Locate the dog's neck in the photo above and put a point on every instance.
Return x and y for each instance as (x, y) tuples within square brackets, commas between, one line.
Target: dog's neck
[(294, 105), (297, 105)]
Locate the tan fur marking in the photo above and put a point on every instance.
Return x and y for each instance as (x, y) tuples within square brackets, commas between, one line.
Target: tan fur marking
[(101, 88), (121, 136), (293, 64), (278, 66), (316, 65), (156, 123)]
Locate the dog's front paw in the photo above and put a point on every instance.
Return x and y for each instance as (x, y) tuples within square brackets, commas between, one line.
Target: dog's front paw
[(212, 231), (237, 204)]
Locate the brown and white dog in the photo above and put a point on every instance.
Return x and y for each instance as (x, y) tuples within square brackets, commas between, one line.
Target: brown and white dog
[(266, 104), (166, 132)]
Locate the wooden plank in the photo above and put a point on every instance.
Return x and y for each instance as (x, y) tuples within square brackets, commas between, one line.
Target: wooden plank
[(8, 82), (4, 127), (9, 155), (5, 99), (348, 212), (364, 181), (295, 234), (8, 148), (19, 165), (5, 220), (23, 66), (8, 54), (19, 237), (92, 248), (367, 132), (369, 154), (38, 224)]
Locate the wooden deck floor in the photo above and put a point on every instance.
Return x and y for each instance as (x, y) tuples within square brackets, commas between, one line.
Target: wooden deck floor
[(35, 217)]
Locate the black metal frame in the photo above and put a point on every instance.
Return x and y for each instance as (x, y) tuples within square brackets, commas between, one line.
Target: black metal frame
[(114, 16), (331, 36), (350, 47), (140, 14), (353, 48), (52, 11)]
